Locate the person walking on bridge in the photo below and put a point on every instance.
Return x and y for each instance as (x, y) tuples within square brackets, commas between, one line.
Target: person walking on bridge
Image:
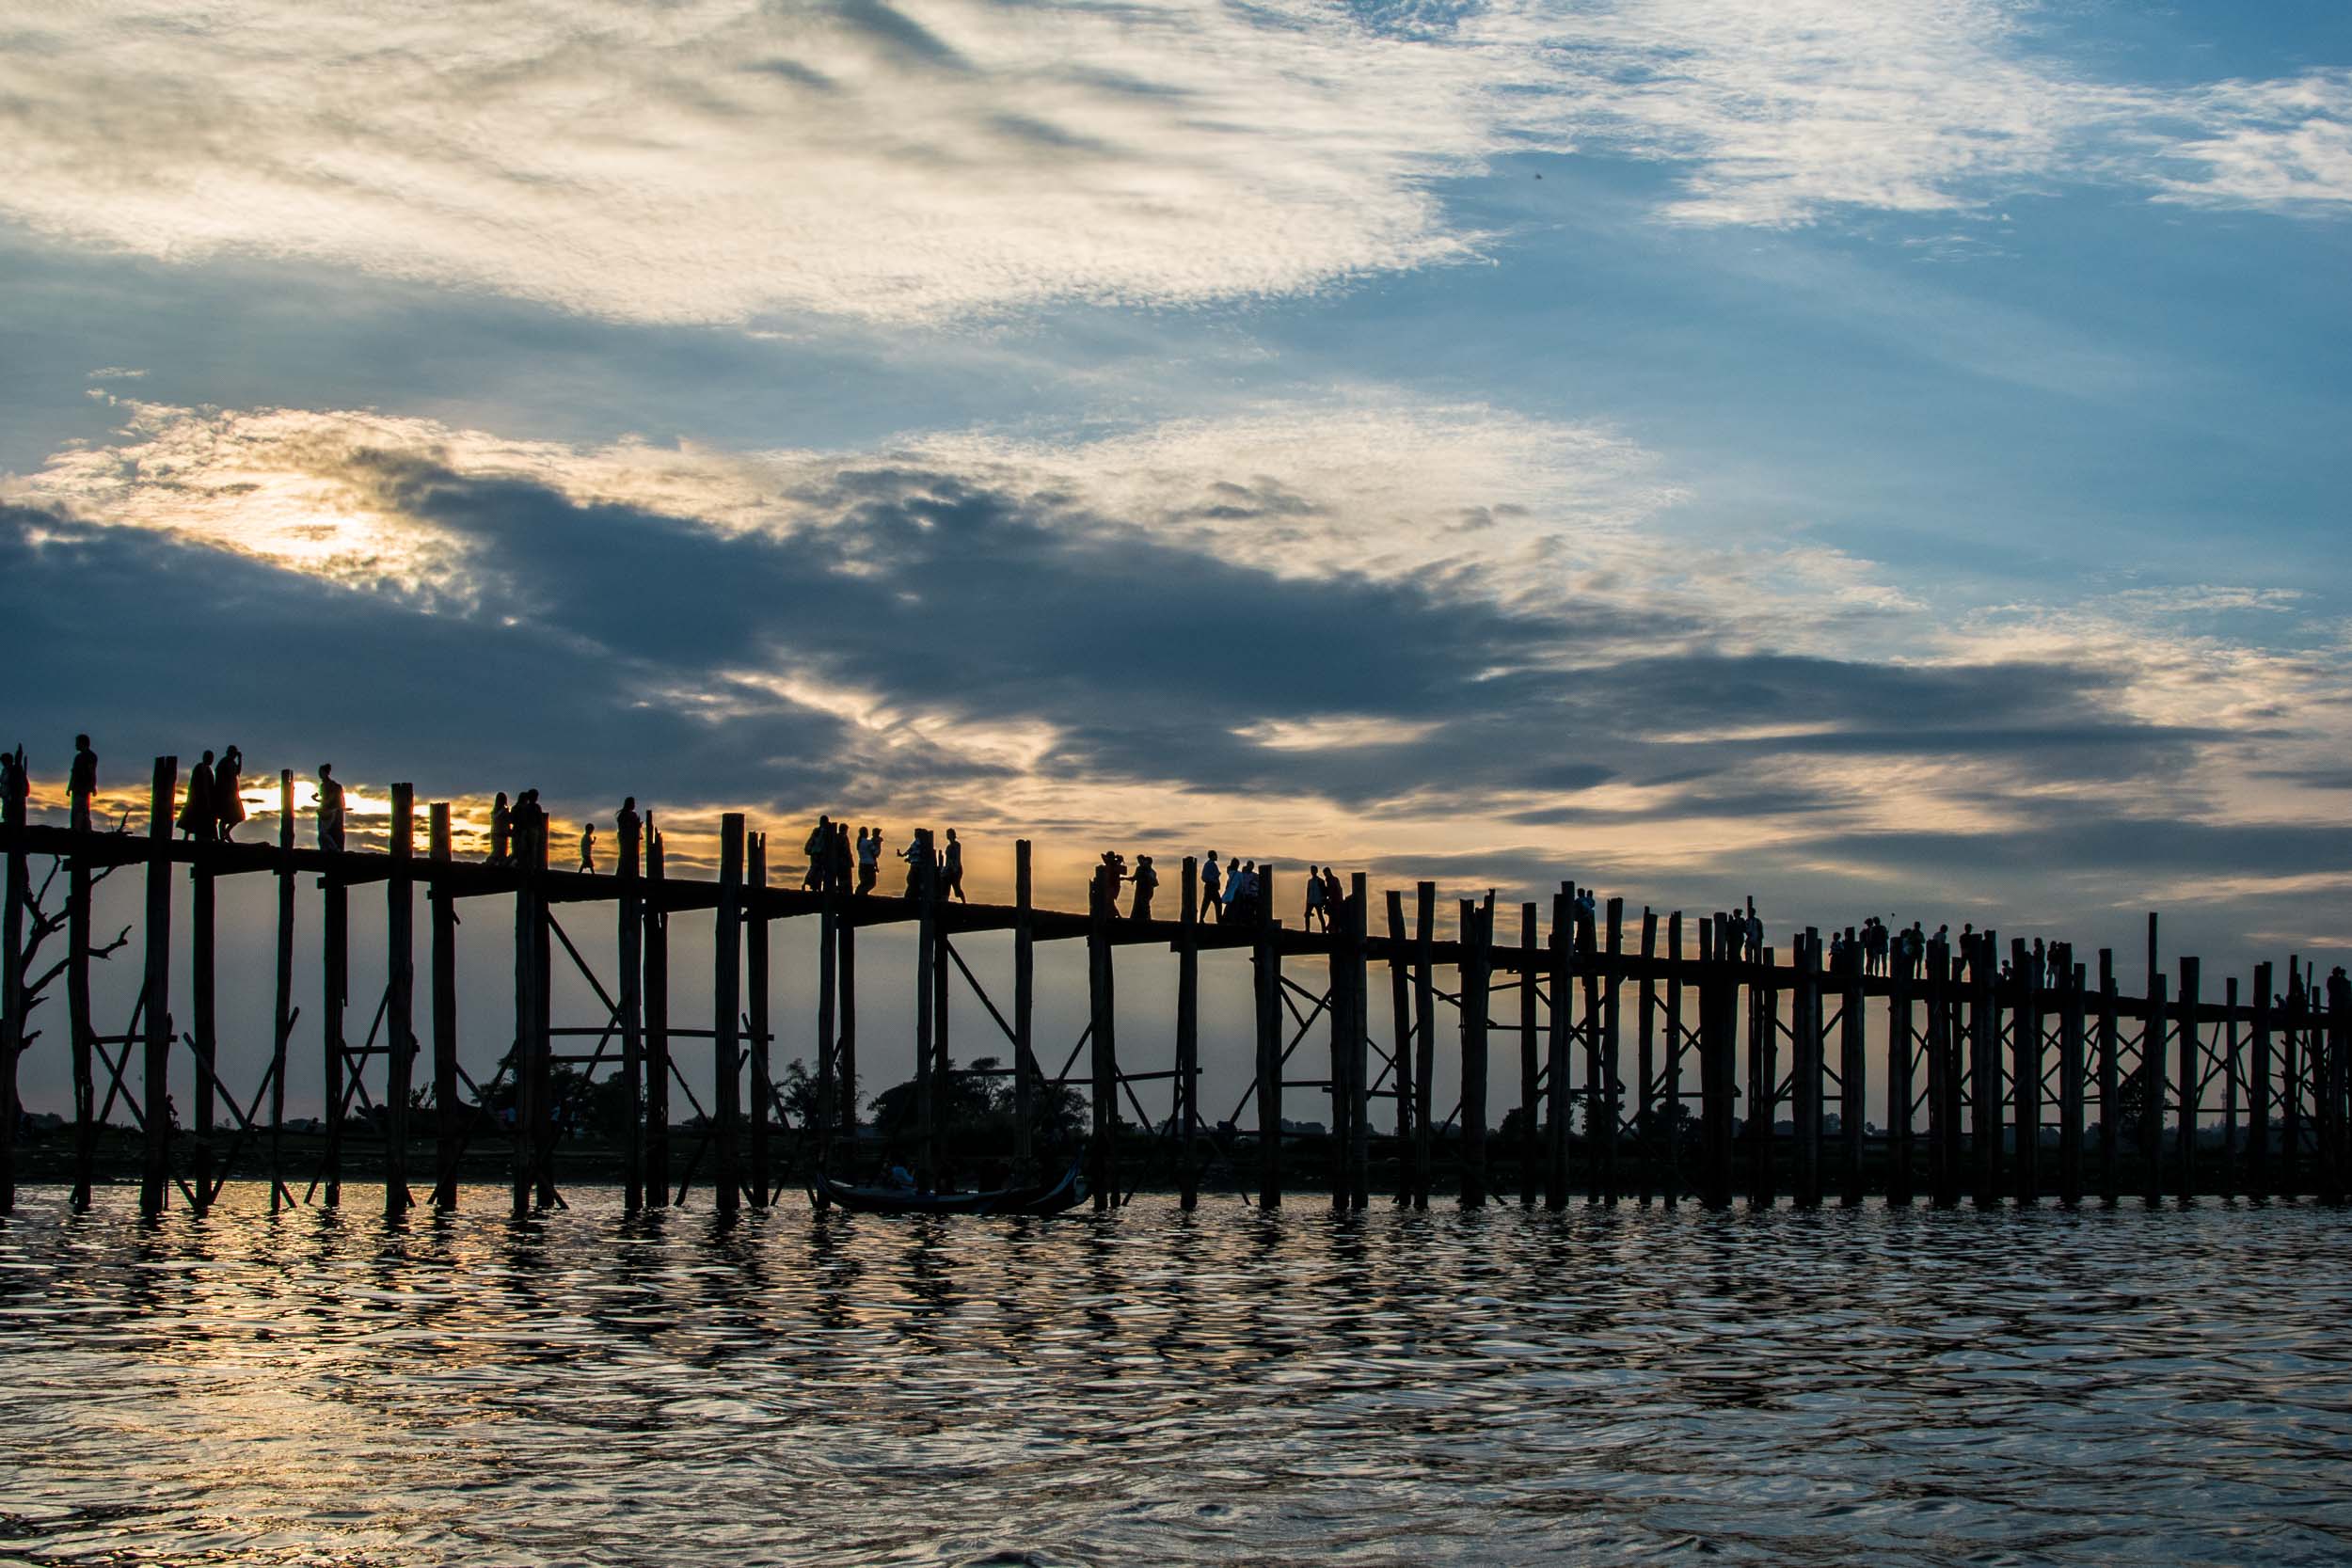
[(196, 819), (82, 785), (1211, 880), (951, 883), (1147, 881), (330, 810), (228, 794), (868, 858)]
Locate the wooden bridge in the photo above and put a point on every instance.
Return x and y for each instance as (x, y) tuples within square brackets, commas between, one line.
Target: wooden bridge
[(1748, 1071)]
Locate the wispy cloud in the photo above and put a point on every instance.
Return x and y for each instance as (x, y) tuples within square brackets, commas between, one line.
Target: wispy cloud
[(723, 161)]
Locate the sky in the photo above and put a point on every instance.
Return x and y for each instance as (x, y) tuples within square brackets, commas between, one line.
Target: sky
[(1863, 454)]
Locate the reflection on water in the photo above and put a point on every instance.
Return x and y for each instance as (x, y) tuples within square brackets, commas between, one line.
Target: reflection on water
[(1395, 1389)]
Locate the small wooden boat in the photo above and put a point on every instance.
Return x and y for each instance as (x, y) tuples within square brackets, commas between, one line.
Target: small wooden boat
[(1044, 1198)]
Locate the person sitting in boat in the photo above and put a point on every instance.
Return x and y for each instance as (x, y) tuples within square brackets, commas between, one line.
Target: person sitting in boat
[(895, 1174)]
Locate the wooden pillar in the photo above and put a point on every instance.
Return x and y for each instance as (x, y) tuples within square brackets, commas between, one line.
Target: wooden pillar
[(12, 1032), (845, 1053), (1608, 1089), (2190, 1098), (1188, 1095), (1805, 1111), (2070, 1081), (2332, 1073), (2227, 1183), (1559, 1048), (726, 1002), (449, 1110), (1943, 1081), (2151, 1075), (156, 1172), (2259, 1109), (658, 1193), (1268, 993), (1984, 1073), (1853, 1079), (1675, 1040), (78, 1022), (2110, 1085), (204, 1037), (400, 980), (1425, 1035), (1103, 1043), (1401, 1037), (282, 1015), (1645, 1057), (1901, 1091), (1530, 1107), (755, 982), (1359, 1046), (1477, 938), (927, 1169), (832, 897), (2291, 1084), (1025, 1073), (629, 952), (529, 850), (1339, 1004), (1719, 1000), (943, 1012), (2024, 1072)]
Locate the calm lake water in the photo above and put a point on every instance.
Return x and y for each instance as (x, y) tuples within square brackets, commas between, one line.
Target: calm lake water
[(1398, 1388)]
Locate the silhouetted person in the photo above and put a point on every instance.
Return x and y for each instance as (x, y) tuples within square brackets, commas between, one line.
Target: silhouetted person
[(819, 848), (1334, 898), (869, 846), (628, 825), (531, 830), (1146, 883), (839, 859), (1311, 912), (16, 784), (952, 872), (1212, 889), (330, 810), (229, 793), (501, 831), (82, 785), (198, 812), (918, 854), (588, 848)]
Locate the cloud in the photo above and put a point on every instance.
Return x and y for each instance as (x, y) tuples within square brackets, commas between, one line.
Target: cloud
[(730, 162)]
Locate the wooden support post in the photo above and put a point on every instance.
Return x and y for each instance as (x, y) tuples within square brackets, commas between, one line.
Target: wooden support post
[(2024, 1072), (845, 1053), (2070, 1081), (1425, 1035), (1646, 1058), (1558, 1105), (2192, 1078), (1188, 1095), (943, 1013), (1763, 1079), (1804, 1067), (726, 1043), (1339, 1010), (1675, 1039), (2258, 1173), (926, 1168), (1360, 1054), (282, 1016), (155, 1173), (1475, 969), (1608, 1101), (77, 1002), (1719, 1001), (1530, 1107), (832, 895), (756, 980), (1853, 1078), (1025, 1073), (528, 851), (2334, 1081), (1943, 1081), (2291, 1084), (2110, 1085), (335, 996), (449, 1110), (1984, 1073), (630, 957), (1901, 1092), (1267, 959), (2152, 1074), (657, 960), (2227, 1183), (399, 981), (204, 1038), (543, 1020), (12, 1030), (1401, 1037)]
